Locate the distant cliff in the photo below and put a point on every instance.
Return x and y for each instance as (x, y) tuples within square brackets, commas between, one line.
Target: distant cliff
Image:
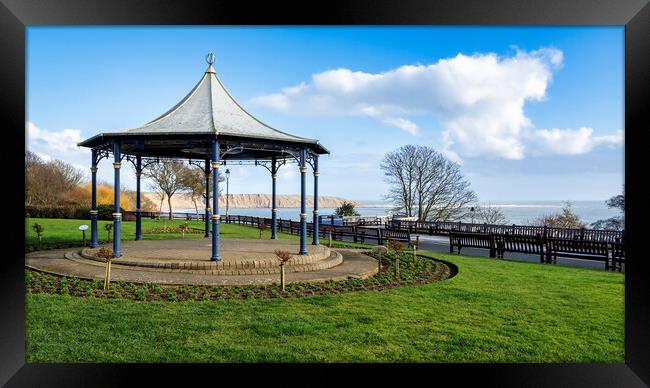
[(238, 201)]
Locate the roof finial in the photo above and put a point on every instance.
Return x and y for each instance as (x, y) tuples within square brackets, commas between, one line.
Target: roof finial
[(210, 58)]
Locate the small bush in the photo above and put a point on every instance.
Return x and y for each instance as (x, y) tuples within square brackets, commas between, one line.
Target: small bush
[(142, 293), (105, 212), (262, 227), (394, 246), (38, 229), (283, 256), (105, 253)]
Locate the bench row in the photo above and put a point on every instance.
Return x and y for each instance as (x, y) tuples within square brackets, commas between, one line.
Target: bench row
[(548, 248)]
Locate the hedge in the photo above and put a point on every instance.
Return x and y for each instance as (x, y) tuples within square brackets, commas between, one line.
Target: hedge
[(104, 212)]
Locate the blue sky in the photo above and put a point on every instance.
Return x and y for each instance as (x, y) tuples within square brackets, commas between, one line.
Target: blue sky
[(530, 113)]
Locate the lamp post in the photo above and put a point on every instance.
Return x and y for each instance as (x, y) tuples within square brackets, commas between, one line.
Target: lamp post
[(472, 212), (227, 176)]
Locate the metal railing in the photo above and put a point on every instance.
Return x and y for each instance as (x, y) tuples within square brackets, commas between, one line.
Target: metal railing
[(444, 227)]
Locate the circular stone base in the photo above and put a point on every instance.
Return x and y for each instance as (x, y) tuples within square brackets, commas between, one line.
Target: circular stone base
[(238, 256)]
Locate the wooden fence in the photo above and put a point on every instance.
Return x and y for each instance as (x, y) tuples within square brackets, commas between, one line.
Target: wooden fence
[(356, 233), (441, 228)]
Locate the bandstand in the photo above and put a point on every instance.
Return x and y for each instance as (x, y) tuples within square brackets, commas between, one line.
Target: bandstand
[(210, 129)]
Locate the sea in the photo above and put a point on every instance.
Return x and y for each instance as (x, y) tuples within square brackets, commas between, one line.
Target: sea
[(516, 212)]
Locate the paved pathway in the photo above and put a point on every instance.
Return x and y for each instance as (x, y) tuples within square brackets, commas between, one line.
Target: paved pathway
[(354, 264)]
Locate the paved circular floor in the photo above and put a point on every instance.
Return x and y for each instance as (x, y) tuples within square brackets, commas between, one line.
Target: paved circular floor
[(200, 249), (238, 256), (245, 261)]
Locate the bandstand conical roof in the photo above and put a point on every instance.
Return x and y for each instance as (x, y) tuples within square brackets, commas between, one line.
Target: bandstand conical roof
[(206, 112)]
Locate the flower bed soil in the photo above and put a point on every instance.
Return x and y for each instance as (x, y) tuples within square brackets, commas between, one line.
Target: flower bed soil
[(425, 271)]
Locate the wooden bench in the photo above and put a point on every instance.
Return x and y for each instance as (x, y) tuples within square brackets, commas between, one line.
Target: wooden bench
[(618, 255), (338, 232), (577, 249), (471, 240), (506, 242), (367, 233), (398, 235)]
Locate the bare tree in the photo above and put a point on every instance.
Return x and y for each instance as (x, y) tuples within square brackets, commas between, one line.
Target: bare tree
[(194, 184), (167, 178), (617, 222), (48, 183), (399, 172), (32, 163), (564, 219), (69, 175), (425, 184), (491, 214), (159, 194)]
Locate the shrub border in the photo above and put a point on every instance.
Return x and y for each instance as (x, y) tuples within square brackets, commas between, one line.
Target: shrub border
[(37, 282)]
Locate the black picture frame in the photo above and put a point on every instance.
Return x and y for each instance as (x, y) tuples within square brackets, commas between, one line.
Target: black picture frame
[(16, 15)]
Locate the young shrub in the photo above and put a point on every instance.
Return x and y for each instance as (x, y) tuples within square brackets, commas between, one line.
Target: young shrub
[(394, 246), (170, 293), (262, 227), (95, 285), (415, 243), (107, 254), (65, 290), (142, 293), (183, 228), (109, 229), (38, 229), (284, 257), (75, 282)]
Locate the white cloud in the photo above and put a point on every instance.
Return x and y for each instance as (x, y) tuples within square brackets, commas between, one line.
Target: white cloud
[(62, 145), (403, 124), (57, 145), (479, 99), (288, 172), (571, 142)]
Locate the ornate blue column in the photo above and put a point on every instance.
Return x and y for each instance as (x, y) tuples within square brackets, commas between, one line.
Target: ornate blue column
[(207, 198), (216, 254), (315, 221), (94, 236), (117, 216), (274, 210), (138, 212), (303, 210)]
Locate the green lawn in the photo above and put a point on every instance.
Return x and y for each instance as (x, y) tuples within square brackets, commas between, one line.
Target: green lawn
[(63, 233), (492, 311)]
